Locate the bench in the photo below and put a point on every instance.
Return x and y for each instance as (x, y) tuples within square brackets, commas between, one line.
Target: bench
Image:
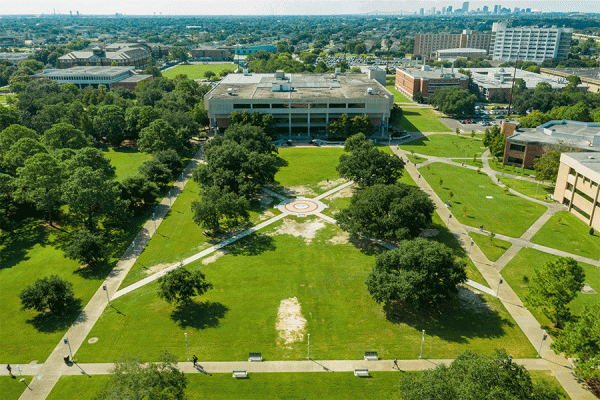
[(361, 372), (255, 357), (371, 356), (240, 374)]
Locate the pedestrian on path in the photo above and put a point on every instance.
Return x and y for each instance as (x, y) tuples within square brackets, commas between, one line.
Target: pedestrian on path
[(396, 363), (195, 360), (9, 368)]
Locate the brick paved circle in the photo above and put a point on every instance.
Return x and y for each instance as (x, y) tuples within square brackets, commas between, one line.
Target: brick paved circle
[(301, 206)]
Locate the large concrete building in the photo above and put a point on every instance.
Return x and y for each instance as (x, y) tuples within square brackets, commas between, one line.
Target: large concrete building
[(242, 50), (122, 54), (15, 58), (578, 186), (529, 43), (205, 53), (81, 77), (426, 80), (524, 145), (454, 54), (590, 77), (303, 105), (426, 44)]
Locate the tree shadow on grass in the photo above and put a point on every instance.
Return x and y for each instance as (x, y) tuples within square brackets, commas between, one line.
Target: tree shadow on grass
[(49, 322), (252, 245), (446, 237), (409, 126), (202, 315), (18, 242), (366, 246), (97, 271), (466, 318)]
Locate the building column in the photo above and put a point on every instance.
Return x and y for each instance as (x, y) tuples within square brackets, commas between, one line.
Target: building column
[(573, 190), (594, 204)]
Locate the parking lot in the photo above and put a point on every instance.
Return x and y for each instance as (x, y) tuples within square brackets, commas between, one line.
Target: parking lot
[(468, 127)]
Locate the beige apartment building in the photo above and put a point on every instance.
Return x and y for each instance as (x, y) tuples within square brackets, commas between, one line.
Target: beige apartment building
[(578, 186), (427, 44)]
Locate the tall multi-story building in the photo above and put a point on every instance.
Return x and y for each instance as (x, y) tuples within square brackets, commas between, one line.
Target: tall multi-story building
[(530, 43), (422, 11), (426, 44), (449, 9), (119, 54), (427, 80), (465, 7), (485, 9)]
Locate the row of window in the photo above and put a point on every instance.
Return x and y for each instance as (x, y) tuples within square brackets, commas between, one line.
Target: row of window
[(299, 105)]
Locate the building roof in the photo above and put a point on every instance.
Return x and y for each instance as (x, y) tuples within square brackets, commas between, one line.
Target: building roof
[(86, 70), (591, 74), (581, 135), (589, 162), (433, 73), (135, 78), (462, 50), (493, 78), (309, 86)]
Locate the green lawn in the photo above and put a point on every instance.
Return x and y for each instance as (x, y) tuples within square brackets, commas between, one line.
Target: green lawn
[(421, 120), (445, 146), (301, 386), (520, 269), (196, 71), (126, 160), (548, 377), (12, 388), (415, 159), (239, 315), (309, 168), (535, 191), (566, 232), (509, 169), (398, 97), (492, 250), (503, 213)]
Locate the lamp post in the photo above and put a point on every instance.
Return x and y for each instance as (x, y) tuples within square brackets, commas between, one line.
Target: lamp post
[(422, 340), (66, 341), (186, 346), (106, 290), (544, 336), (472, 243), (449, 217), (536, 188), (498, 290), (308, 355), (153, 221)]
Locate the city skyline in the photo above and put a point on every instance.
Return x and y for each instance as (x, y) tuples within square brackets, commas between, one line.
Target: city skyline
[(298, 7)]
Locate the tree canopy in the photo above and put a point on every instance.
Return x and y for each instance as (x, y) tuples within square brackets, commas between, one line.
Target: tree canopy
[(367, 166), (51, 293), (180, 285), (453, 100), (219, 208)]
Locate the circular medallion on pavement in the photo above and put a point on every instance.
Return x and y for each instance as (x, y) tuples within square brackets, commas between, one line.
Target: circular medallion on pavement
[(301, 206)]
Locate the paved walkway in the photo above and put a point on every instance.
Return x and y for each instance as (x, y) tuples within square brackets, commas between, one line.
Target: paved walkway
[(50, 372), (560, 366)]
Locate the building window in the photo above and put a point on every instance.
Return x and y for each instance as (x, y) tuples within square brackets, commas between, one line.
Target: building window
[(280, 105), (337, 105), (356, 105), (515, 160), (517, 147), (580, 211), (299, 105), (261, 106), (585, 196), (241, 106), (318, 105), (572, 172)]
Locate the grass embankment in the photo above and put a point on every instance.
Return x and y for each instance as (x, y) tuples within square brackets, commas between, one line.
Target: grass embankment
[(196, 71)]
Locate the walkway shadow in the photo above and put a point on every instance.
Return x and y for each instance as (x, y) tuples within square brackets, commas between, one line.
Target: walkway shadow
[(199, 315), (251, 245), (52, 322)]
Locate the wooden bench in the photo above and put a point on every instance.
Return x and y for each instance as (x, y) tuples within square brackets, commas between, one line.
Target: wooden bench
[(240, 374), (255, 357), (371, 356), (361, 372)]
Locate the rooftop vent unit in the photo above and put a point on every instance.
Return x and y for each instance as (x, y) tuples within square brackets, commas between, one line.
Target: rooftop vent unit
[(279, 75), (370, 90), (338, 71), (245, 70), (230, 91), (425, 68)]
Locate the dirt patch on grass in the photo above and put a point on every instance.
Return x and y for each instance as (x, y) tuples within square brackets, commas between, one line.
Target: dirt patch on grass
[(266, 215), (265, 200), (307, 229), (157, 268), (470, 299), (348, 191), (299, 191), (342, 238), (331, 184), (216, 255), (290, 323)]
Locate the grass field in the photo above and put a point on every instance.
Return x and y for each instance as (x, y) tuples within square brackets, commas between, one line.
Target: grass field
[(240, 314), (196, 71), (126, 160), (444, 146), (566, 232), (12, 388), (503, 213), (300, 386), (415, 159), (530, 189), (398, 97), (421, 120), (492, 250), (523, 264)]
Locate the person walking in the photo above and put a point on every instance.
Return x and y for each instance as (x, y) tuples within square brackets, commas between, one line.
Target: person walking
[(9, 368), (195, 359), (396, 363)]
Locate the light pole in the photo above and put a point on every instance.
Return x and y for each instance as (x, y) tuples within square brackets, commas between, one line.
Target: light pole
[(170, 197), (498, 290), (418, 178), (66, 341), (106, 290), (536, 188), (153, 221), (449, 217), (422, 340), (186, 346), (472, 243), (544, 336), (308, 355)]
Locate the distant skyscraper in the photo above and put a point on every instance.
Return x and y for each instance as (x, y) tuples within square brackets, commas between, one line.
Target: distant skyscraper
[(485, 9), (496, 9), (449, 9), (432, 10), (443, 10), (465, 7), (422, 11)]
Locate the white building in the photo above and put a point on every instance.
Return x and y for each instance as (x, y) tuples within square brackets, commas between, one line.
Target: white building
[(530, 43)]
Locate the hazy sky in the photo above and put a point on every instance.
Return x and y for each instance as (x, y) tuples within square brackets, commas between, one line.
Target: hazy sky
[(273, 7)]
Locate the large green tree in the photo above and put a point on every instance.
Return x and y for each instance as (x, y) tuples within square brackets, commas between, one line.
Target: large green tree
[(553, 286), (453, 101), (12, 134), (88, 247), (52, 293), (62, 136), (388, 212), (417, 275), (546, 167), (219, 208), (476, 376), (367, 166), (180, 285), (159, 135), (109, 123)]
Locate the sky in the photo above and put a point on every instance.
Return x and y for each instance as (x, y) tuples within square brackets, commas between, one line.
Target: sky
[(276, 7)]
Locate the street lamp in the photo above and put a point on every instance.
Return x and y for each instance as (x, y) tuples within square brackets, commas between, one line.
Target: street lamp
[(186, 346), (422, 340), (498, 290), (449, 217), (472, 243), (544, 337), (106, 290), (536, 188), (66, 341), (153, 221), (308, 355)]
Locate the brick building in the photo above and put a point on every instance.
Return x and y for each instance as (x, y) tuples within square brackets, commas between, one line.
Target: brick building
[(204, 53), (426, 80), (426, 44), (122, 54)]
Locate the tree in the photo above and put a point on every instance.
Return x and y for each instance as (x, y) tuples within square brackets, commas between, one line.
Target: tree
[(38, 182), (7, 202), (133, 379), (171, 160), (139, 189), (534, 119), (88, 157), (546, 167), (356, 141), (12, 134), (453, 100), (553, 286), (109, 123), (64, 136), (219, 208), (417, 275), (20, 151), (8, 116), (476, 376), (368, 166), (581, 339), (88, 247), (155, 171), (179, 53), (52, 293), (494, 139), (388, 212), (159, 135), (180, 285), (209, 74)]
